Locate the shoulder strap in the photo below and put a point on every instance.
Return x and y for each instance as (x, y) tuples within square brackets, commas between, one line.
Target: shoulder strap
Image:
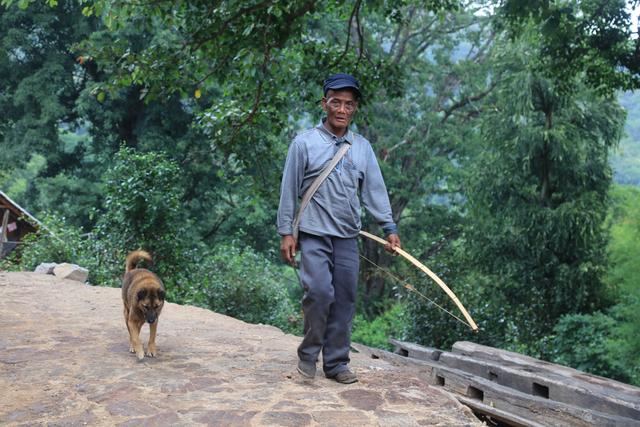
[(316, 184)]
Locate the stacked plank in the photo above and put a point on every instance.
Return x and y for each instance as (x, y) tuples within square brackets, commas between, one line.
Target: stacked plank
[(518, 390)]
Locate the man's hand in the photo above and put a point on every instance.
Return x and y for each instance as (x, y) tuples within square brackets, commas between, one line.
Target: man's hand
[(288, 249), (394, 242)]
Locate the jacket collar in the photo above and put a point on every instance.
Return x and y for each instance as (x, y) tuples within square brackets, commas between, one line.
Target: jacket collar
[(347, 137)]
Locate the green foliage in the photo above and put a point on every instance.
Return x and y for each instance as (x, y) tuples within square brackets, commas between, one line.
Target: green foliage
[(142, 200), (58, 242), (164, 125), (239, 282), (591, 38), (54, 242), (623, 274), (584, 342), (538, 211), (16, 182), (39, 79), (376, 333)]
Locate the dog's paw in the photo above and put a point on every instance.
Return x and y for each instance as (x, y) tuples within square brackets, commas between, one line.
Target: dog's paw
[(132, 350), (151, 349), (139, 352)]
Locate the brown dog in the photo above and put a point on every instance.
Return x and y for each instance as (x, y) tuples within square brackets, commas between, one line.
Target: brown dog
[(143, 298)]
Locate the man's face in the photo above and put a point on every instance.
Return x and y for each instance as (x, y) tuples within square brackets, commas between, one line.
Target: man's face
[(339, 106)]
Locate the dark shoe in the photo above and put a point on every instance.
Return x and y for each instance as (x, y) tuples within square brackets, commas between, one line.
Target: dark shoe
[(307, 369), (345, 377)]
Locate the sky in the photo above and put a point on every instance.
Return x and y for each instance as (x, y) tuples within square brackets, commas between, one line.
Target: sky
[(634, 18)]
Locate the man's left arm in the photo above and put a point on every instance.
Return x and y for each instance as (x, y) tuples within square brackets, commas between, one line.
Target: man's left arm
[(375, 199)]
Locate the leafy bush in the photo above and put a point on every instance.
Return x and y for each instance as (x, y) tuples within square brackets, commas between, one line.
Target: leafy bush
[(57, 242), (376, 333), (234, 281), (142, 209), (241, 283), (585, 342)]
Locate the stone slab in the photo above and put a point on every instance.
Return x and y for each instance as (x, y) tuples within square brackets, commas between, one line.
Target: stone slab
[(64, 360)]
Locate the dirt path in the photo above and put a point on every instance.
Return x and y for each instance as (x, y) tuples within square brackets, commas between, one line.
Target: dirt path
[(64, 360)]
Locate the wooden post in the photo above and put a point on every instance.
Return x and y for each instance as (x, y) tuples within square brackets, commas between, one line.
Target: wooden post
[(5, 221), (3, 236)]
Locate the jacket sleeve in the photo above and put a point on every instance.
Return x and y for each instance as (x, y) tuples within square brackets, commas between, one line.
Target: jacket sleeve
[(290, 188), (374, 195)]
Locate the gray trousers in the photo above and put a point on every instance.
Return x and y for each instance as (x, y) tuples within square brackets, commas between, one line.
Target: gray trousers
[(329, 274)]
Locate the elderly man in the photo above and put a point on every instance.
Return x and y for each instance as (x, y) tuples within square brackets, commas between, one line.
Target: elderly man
[(329, 226)]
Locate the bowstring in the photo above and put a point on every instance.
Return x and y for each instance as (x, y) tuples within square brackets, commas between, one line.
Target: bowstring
[(410, 287)]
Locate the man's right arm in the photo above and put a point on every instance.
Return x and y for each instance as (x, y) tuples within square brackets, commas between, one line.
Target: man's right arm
[(289, 193)]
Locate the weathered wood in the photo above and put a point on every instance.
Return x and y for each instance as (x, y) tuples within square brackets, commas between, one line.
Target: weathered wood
[(420, 369), (522, 408), (4, 247), (566, 381), (496, 414), (5, 221), (415, 351), (536, 409), (13, 212), (547, 385)]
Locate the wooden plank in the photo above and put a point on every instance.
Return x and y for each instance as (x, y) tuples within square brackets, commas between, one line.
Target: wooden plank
[(496, 414), (415, 351), (626, 394), (5, 221), (4, 246), (535, 377), (521, 406), (543, 384), (524, 406)]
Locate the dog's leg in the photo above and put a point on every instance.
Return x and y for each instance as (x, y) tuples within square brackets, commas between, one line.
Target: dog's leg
[(126, 322), (151, 348), (134, 327)]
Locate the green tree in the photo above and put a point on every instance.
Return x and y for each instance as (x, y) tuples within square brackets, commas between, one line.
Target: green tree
[(622, 275), (142, 208), (40, 81), (592, 38), (538, 198), (584, 341)]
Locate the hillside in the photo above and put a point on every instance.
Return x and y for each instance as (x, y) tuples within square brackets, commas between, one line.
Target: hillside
[(625, 160), (64, 361)]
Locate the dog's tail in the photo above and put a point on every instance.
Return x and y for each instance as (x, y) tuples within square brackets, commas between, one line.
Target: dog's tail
[(134, 257)]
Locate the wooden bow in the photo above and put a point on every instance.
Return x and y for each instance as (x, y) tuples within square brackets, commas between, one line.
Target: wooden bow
[(429, 273)]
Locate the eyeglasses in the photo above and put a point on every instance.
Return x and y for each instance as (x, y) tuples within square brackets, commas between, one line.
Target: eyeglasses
[(335, 105)]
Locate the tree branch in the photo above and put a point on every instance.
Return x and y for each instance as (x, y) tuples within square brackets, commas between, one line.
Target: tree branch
[(470, 99), (355, 9)]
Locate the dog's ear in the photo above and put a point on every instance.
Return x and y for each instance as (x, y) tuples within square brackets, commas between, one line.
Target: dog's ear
[(141, 294), (161, 295)]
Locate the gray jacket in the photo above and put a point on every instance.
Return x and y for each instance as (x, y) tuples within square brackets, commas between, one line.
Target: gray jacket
[(335, 208)]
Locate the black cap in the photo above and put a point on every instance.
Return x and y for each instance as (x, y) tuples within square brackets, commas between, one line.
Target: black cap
[(342, 81)]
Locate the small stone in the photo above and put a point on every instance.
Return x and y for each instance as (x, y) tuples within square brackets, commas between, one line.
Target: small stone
[(71, 272), (45, 268)]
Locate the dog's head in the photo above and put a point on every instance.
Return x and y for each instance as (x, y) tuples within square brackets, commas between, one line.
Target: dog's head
[(150, 302)]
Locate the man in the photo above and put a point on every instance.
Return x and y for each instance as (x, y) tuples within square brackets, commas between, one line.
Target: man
[(329, 226)]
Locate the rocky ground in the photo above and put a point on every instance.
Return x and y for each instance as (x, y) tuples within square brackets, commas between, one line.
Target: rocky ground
[(64, 360)]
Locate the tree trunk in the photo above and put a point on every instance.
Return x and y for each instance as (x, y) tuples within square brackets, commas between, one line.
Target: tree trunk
[(545, 187)]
